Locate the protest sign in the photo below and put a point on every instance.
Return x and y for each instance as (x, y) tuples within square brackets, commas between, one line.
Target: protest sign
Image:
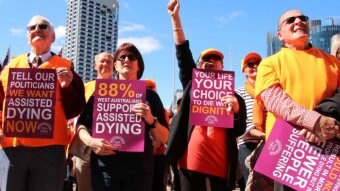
[(30, 103), (206, 107), (113, 119), (290, 160)]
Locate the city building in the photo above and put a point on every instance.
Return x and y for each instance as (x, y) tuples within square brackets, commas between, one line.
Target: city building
[(321, 32), (92, 27), (273, 43), (178, 94)]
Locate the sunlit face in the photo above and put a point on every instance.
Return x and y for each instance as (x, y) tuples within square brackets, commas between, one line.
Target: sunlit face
[(211, 62), (293, 29), (104, 65), (40, 34), (126, 66), (250, 70)]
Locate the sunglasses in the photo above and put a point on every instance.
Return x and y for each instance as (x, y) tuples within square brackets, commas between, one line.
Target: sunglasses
[(40, 26), (213, 57), (291, 20), (129, 56), (252, 64)]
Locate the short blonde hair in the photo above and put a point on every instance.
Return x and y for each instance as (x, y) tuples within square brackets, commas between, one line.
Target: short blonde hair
[(96, 57), (335, 44)]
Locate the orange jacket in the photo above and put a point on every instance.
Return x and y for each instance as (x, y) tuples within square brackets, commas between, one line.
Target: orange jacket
[(60, 134)]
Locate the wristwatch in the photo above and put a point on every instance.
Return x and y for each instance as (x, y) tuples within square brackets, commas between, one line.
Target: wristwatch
[(153, 124)]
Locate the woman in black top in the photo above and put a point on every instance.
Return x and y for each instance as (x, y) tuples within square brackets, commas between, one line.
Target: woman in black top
[(125, 171)]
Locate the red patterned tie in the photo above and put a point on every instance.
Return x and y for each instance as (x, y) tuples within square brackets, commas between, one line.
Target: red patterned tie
[(36, 62)]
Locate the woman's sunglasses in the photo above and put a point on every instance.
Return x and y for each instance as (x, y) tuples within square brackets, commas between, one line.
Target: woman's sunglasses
[(129, 56), (213, 57), (252, 64)]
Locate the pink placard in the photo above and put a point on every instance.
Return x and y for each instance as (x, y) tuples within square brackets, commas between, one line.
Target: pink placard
[(113, 118), (290, 160), (30, 103), (206, 107)]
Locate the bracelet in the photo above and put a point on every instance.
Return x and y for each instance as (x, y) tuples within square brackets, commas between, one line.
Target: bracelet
[(177, 29), (153, 124), (80, 128)]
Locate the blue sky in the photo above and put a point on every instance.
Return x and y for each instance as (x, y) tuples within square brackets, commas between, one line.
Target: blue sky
[(235, 27)]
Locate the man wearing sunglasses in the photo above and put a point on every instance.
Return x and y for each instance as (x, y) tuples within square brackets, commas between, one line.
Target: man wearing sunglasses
[(39, 163), (207, 156), (293, 81)]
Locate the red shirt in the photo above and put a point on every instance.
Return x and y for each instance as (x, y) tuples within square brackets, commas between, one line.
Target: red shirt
[(206, 152)]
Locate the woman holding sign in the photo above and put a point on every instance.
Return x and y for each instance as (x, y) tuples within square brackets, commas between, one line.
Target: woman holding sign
[(207, 155), (252, 136), (112, 169)]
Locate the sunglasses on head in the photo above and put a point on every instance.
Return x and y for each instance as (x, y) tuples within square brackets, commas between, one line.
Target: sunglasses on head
[(213, 57), (252, 64), (130, 57), (291, 20), (40, 26)]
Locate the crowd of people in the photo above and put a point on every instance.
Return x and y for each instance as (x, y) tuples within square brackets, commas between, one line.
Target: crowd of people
[(291, 84)]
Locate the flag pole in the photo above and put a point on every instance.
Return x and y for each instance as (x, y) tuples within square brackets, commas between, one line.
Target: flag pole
[(230, 57), (174, 80)]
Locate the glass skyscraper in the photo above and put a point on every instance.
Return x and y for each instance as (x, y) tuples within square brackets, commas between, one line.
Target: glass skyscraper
[(321, 32), (178, 94), (91, 28)]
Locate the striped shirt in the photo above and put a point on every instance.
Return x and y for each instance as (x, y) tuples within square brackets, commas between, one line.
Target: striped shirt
[(249, 101)]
